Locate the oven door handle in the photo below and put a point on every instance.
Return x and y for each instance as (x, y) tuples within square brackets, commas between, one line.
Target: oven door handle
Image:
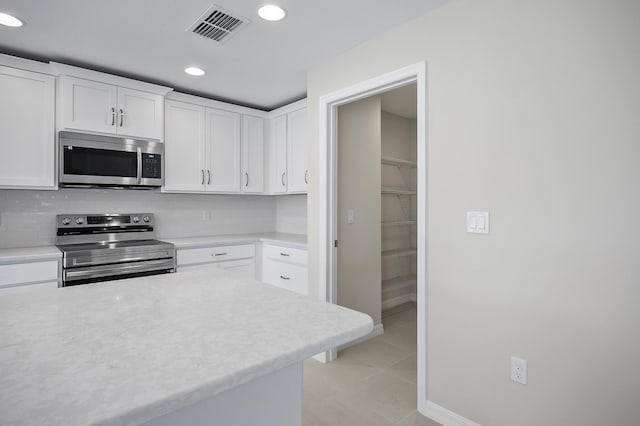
[(121, 269), (139, 175), (94, 261)]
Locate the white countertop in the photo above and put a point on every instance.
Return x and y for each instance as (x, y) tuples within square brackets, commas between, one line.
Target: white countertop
[(124, 352), (290, 240), (44, 253), (29, 254)]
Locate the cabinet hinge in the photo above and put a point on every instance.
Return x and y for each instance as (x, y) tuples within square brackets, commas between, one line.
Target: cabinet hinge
[(335, 243)]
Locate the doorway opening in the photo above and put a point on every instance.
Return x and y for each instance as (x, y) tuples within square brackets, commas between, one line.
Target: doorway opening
[(331, 240)]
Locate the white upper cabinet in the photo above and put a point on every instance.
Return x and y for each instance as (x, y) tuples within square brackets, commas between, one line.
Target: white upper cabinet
[(202, 149), (252, 151), (88, 105), (222, 151), (140, 114), (297, 170), (184, 147), (287, 150), (97, 107), (278, 155), (27, 133)]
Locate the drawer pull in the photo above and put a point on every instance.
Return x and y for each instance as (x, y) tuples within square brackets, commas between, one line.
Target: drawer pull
[(285, 254), (284, 277), (224, 253)]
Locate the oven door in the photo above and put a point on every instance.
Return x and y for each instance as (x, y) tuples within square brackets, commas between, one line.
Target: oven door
[(99, 273)]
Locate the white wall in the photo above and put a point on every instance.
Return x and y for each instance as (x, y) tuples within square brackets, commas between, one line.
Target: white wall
[(534, 115), (291, 214), (27, 218), (359, 271)]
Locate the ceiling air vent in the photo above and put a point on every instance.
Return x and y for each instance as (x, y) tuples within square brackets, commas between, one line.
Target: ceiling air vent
[(218, 24)]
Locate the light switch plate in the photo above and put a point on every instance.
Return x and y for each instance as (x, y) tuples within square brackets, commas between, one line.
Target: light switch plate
[(351, 216), (478, 222)]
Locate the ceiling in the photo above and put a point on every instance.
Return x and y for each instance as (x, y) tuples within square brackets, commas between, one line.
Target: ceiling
[(263, 65)]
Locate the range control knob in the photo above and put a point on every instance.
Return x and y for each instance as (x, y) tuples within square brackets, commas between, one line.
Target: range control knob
[(135, 219), (66, 221), (146, 219), (79, 221)]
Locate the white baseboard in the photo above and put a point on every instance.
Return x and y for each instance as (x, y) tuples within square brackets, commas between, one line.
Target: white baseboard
[(446, 417), (397, 301)]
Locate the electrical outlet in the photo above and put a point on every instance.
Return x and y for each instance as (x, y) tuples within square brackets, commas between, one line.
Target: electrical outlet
[(519, 370)]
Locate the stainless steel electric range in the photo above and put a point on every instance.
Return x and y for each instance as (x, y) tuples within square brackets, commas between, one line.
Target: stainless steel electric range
[(103, 247)]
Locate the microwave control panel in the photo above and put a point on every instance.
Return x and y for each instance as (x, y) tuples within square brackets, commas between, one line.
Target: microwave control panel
[(151, 166)]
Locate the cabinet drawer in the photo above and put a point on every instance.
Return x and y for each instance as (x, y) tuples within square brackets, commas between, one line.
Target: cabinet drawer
[(22, 273), (285, 254), (215, 254), (285, 275)]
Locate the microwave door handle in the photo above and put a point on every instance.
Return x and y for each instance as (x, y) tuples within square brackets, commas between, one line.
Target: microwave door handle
[(139, 175)]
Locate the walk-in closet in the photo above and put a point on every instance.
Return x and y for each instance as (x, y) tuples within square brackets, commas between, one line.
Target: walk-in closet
[(398, 208)]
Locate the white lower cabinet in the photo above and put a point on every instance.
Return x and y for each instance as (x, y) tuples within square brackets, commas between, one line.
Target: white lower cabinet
[(22, 277), (234, 258), (285, 267), (244, 267)]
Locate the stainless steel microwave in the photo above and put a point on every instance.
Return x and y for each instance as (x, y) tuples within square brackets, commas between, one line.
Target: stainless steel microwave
[(92, 160)]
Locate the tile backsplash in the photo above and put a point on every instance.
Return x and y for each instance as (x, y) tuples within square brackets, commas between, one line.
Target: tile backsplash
[(291, 214), (27, 218)]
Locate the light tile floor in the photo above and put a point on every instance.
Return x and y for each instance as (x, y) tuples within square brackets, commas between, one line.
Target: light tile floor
[(370, 384)]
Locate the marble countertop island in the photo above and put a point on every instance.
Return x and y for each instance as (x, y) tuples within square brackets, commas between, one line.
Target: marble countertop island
[(125, 352)]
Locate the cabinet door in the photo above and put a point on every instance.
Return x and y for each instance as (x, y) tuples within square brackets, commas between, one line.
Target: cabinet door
[(27, 288), (139, 114), (184, 164), (88, 105), (27, 133), (222, 151), (244, 268), (16, 274), (252, 154), (297, 151), (279, 154)]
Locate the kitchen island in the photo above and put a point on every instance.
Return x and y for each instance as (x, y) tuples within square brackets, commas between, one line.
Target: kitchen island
[(196, 347)]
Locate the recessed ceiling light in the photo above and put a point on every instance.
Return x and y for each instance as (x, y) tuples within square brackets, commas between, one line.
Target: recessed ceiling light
[(194, 71), (271, 12), (9, 20)]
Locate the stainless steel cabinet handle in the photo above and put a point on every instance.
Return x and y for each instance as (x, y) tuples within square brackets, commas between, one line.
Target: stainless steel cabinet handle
[(247, 176), (113, 116), (284, 277), (202, 183), (306, 173), (285, 254), (224, 253), (208, 177), (121, 117), (282, 178)]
